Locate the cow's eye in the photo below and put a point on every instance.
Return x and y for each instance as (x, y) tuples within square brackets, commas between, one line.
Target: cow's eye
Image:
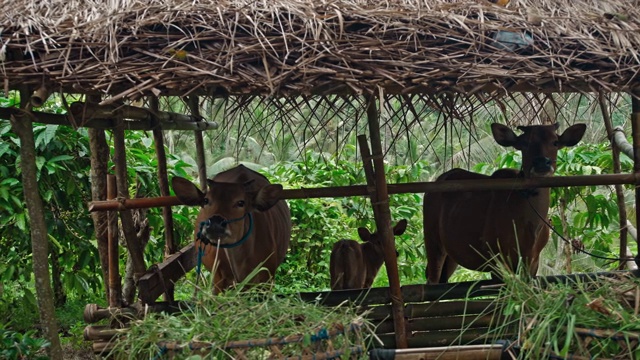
[(240, 203), (556, 143), (205, 201)]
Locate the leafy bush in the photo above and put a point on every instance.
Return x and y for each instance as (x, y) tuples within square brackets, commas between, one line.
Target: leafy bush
[(15, 345)]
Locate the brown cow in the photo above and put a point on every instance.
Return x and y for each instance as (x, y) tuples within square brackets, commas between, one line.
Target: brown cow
[(354, 265), (242, 211), (477, 229)]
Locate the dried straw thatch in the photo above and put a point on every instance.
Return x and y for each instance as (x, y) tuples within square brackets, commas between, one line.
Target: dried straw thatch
[(127, 48)]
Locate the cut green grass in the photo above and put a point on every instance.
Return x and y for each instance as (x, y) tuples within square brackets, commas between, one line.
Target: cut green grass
[(253, 321), (579, 318)]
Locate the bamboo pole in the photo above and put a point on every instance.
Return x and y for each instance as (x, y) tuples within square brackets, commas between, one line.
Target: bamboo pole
[(380, 202), (163, 181), (617, 169), (115, 288), (417, 187), (194, 106), (101, 123)]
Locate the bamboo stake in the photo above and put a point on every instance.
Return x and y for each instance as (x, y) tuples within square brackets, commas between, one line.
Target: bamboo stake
[(169, 241), (380, 202)]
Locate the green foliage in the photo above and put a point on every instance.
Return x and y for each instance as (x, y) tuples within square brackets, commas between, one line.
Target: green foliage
[(17, 346)]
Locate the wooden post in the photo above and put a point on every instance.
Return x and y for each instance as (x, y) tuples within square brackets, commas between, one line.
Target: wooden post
[(119, 159), (382, 214), (99, 161), (194, 106), (163, 180), (635, 126), (617, 169), (115, 288)]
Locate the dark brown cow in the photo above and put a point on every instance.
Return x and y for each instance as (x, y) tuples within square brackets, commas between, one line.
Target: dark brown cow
[(478, 229), (242, 211), (354, 265)]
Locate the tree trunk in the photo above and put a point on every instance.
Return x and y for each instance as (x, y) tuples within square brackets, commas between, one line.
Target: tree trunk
[(23, 126), (99, 159), (59, 296)]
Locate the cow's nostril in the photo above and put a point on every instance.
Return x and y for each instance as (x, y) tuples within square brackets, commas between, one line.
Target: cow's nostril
[(541, 162), (217, 220)]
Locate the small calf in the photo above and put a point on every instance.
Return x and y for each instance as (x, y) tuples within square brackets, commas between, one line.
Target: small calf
[(354, 265)]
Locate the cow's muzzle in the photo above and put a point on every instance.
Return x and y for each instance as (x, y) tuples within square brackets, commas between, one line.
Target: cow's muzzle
[(542, 166), (215, 228)]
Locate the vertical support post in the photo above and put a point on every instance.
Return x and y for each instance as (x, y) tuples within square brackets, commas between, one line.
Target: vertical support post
[(382, 213), (617, 169), (119, 159), (194, 106), (115, 289), (635, 127), (99, 159), (170, 246)]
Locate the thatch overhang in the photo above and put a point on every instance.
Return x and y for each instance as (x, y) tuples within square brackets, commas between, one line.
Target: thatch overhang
[(130, 48)]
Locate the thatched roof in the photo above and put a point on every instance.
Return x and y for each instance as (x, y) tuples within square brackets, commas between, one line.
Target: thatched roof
[(126, 48)]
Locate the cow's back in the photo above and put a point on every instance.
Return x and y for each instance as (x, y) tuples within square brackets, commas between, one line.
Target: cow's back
[(272, 226)]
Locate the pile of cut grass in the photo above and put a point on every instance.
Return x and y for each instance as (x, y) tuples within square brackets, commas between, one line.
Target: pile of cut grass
[(240, 323), (593, 318)]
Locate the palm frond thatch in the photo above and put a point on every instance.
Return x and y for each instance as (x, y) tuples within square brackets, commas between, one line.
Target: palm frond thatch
[(131, 48)]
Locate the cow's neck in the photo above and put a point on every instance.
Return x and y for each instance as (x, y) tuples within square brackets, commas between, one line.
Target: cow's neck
[(237, 256)]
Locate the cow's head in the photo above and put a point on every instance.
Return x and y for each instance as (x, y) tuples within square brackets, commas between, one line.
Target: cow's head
[(539, 145), (226, 207), (376, 240)]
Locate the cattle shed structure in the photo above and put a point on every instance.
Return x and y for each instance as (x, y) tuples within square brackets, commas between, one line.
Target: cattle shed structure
[(126, 60)]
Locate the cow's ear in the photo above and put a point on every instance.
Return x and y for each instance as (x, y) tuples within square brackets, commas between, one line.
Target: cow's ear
[(364, 234), (572, 135), (400, 227), (504, 135), (187, 192), (266, 197)]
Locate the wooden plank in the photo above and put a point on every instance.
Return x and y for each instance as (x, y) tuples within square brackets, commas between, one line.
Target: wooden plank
[(433, 309), (410, 293), (160, 276), (448, 338), (457, 323)]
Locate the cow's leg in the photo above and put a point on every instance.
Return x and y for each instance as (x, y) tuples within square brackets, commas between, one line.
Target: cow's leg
[(448, 268), (436, 258), (433, 246)]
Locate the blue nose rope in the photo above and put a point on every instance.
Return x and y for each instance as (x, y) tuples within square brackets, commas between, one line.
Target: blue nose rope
[(244, 238), (204, 241)]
